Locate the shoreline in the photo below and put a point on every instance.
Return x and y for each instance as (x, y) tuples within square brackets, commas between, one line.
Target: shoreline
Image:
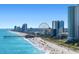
[(47, 47), (28, 39)]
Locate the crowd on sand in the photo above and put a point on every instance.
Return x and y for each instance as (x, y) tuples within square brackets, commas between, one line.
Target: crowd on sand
[(49, 47), (46, 46)]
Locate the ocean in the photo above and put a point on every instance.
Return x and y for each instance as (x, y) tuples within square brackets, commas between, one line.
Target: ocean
[(16, 45)]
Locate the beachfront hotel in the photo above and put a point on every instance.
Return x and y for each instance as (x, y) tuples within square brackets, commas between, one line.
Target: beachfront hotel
[(15, 28), (24, 27), (73, 23), (58, 27)]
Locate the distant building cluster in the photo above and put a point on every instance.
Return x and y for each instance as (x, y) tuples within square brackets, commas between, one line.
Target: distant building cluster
[(21, 29), (36, 31), (57, 29)]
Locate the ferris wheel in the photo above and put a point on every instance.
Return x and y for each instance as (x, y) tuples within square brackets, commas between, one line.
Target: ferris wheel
[(44, 26)]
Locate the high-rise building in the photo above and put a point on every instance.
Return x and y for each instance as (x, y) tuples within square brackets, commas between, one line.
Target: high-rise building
[(55, 26), (15, 28), (24, 27), (18, 28), (61, 26), (73, 23), (58, 26)]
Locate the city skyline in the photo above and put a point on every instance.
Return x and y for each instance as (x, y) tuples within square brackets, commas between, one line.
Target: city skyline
[(39, 29), (32, 14)]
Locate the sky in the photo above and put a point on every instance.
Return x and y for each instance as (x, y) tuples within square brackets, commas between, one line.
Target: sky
[(32, 14)]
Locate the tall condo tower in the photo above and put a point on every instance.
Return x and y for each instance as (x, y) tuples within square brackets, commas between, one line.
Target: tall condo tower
[(73, 23)]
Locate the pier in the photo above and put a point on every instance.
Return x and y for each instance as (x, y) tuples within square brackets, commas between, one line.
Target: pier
[(26, 36)]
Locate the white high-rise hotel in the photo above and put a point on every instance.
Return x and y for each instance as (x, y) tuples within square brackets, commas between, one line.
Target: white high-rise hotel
[(73, 23)]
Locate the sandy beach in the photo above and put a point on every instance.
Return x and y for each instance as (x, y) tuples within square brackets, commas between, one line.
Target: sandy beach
[(47, 47)]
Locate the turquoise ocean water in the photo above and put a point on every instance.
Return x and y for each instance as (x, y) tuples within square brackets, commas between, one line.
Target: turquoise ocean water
[(15, 45)]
